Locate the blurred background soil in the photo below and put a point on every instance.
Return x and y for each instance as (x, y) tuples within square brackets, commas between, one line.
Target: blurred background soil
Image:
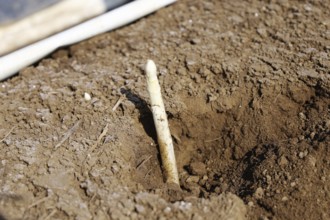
[(246, 85)]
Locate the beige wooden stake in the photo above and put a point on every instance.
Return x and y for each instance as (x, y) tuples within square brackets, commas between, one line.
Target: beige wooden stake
[(161, 124)]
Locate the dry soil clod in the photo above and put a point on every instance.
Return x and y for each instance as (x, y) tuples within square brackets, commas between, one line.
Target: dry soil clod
[(160, 119)]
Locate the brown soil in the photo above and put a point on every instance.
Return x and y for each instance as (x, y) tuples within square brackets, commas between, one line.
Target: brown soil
[(247, 89)]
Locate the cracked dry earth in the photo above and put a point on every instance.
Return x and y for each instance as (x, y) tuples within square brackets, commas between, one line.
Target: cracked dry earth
[(246, 85)]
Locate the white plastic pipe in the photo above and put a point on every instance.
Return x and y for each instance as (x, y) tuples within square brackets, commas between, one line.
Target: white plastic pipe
[(161, 123), (13, 62), (51, 20)]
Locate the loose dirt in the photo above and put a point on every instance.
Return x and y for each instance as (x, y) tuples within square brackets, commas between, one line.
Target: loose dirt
[(246, 85)]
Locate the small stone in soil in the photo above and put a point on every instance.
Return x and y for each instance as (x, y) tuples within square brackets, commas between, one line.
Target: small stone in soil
[(197, 168), (139, 208), (87, 96), (259, 193), (282, 161), (192, 179)]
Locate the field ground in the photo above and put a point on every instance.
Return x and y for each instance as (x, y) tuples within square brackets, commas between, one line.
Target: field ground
[(246, 85)]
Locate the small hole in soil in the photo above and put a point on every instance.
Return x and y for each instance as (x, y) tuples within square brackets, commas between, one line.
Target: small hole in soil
[(232, 150)]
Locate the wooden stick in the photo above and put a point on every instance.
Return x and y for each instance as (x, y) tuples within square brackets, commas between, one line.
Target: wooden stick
[(51, 214), (38, 202), (68, 134), (10, 131), (98, 141), (119, 101), (143, 162), (161, 124)]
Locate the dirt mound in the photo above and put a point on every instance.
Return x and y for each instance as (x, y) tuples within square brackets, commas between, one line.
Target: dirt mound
[(246, 88)]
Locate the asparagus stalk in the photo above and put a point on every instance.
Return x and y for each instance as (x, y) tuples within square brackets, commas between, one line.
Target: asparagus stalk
[(160, 119)]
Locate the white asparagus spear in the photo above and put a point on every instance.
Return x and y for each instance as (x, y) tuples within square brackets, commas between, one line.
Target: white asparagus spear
[(161, 124)]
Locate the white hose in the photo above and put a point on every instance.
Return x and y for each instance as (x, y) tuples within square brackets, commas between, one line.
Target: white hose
[(42, 24), (13, 62)]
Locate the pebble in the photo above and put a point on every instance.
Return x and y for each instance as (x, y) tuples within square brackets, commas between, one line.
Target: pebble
[(262, 32), (87, 96), (282, 161), (259, 193), (196, 41), (303, 154), (139, 208), (204, 72), (301, 137), (217, 189), (192, 179), (203, 180), (211, 97), (167, 209), (308, 7), (302, 116), (192, 62), (312, 135), (181, 71), (197, 168), (312, 161)]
